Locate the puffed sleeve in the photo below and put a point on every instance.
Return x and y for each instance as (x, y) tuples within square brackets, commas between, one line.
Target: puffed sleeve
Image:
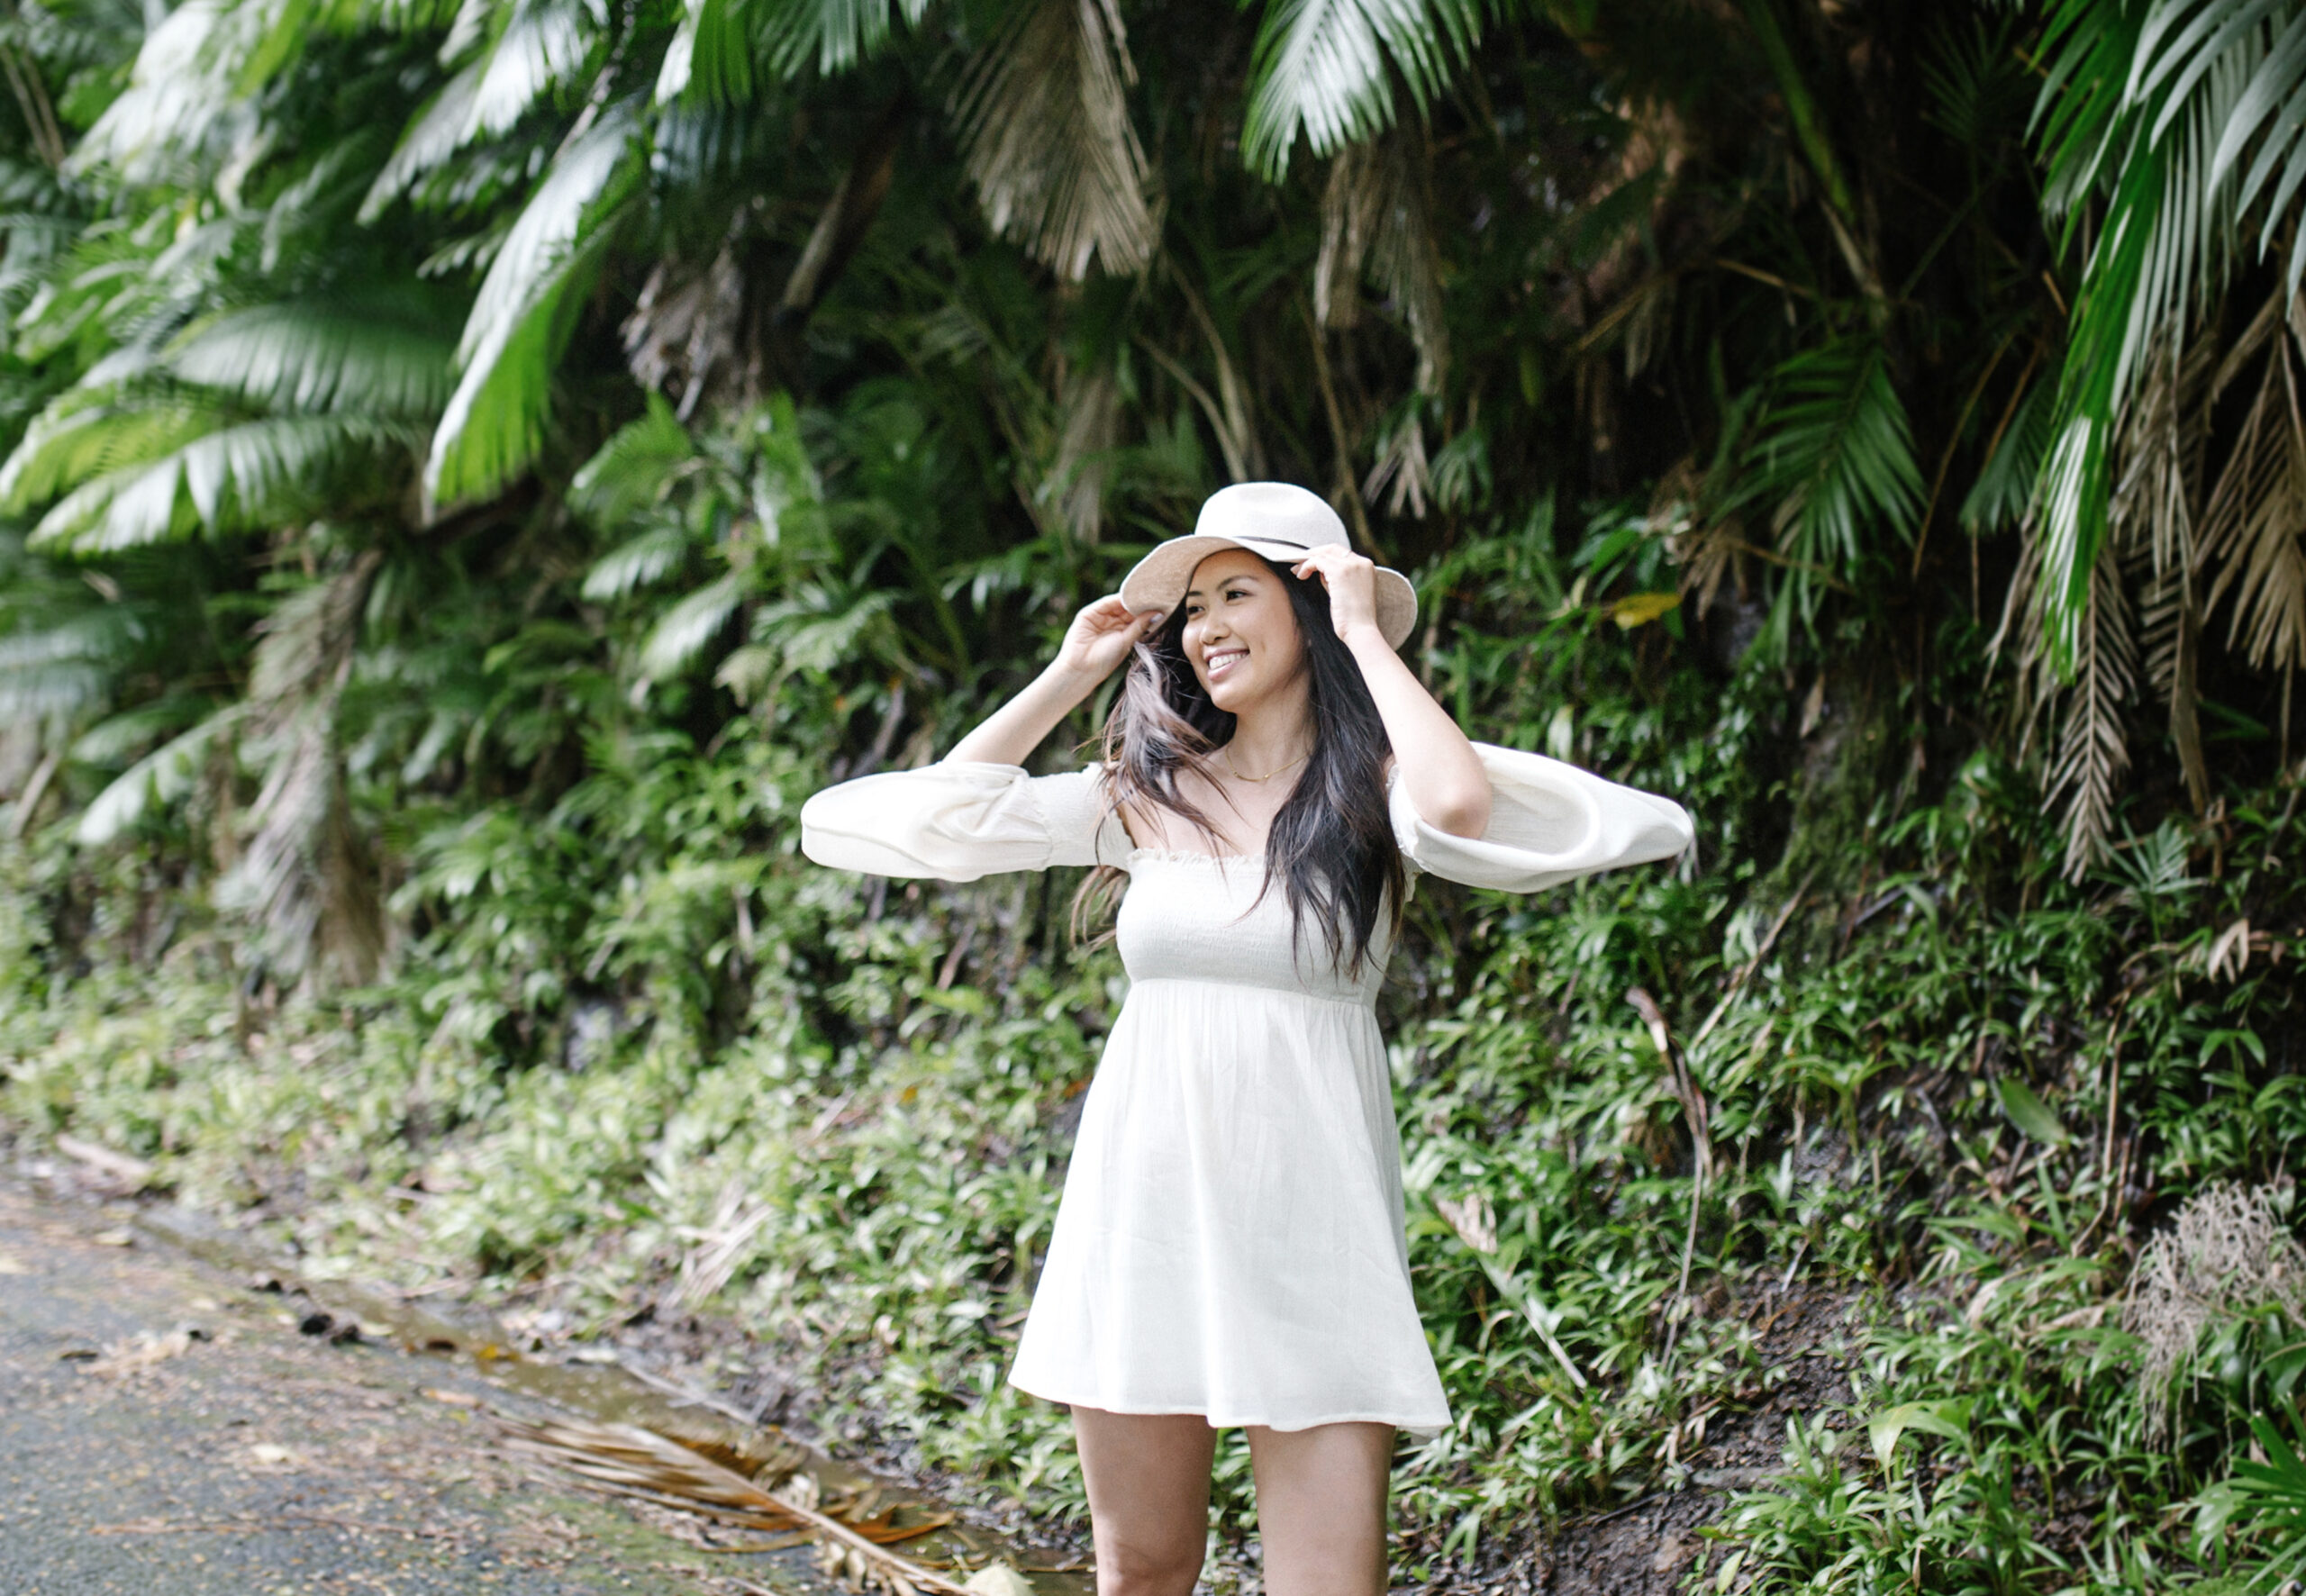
[(956, 821), (1548, 822)]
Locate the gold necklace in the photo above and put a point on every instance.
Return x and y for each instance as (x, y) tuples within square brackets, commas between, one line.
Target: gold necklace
[(1240, 775)]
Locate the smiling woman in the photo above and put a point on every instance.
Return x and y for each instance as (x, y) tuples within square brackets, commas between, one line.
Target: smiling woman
[(1230, 1248)]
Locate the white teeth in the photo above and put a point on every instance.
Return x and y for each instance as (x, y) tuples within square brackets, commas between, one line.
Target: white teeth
[(1221, 663)]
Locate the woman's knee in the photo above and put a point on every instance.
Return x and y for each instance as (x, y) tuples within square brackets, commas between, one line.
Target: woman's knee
[(1142, 1565)]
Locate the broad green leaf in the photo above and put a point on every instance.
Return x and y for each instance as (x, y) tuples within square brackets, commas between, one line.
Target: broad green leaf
[(1949, 1420), (2029, 1113)]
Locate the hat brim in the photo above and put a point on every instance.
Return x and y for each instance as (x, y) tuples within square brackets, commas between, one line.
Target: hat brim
[(1159, 580)]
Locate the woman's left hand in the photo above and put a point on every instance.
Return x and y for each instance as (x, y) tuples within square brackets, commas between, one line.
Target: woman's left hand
[(1352, 585)]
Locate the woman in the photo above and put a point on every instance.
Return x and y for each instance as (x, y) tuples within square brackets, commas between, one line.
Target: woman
[(1230, 1248)]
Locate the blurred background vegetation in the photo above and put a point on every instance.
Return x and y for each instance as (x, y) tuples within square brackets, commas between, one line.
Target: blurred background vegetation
[(473, 468)]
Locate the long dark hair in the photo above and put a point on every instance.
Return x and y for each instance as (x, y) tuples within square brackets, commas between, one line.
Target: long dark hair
[(1332, 847)]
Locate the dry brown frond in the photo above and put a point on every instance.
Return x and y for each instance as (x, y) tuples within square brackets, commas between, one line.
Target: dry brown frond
[(305, 875), (683, 328), (1048, 140), (2152, 517), (1402, 461), (2230, 1253), (627, 1460), (1377, 215), (2251, 533), (1089, 402), (2083, 719)]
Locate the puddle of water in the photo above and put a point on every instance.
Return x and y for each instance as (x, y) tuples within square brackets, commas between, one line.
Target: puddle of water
[(608, 1393)]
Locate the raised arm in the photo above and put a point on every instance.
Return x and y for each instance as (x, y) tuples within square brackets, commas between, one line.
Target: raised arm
[(1439, 769), (1097, 641)]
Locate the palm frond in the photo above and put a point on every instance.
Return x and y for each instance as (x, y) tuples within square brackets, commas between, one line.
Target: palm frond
[(494, 421), (687, 629), (315, 357), (305, 877), (1090, 401), (649, 557), (2155, 512), (125, 736), (1325, 70), (1378, 214), (176, 109), (2272, 111), (711, 56), (2079, 709), (1832, 463), (1048, 143), (545, 44), (831, 35), (2148, 106), (632, 468), (2093, 748), (441, 126), (1976, 81), (166, 776), (2257, 515), (241, 477), (1999, 497), (58, 674), (86, 433)]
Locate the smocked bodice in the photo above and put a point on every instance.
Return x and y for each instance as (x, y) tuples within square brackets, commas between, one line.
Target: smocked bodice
[(1192, 917)]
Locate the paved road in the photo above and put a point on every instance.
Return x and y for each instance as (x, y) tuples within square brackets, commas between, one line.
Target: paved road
[(256, 1461)]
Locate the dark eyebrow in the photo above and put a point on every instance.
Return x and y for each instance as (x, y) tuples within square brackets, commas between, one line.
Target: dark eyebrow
[(1249, 577)]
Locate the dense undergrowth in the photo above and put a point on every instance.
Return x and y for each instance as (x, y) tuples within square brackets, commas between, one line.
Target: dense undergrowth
[(635, 1058)]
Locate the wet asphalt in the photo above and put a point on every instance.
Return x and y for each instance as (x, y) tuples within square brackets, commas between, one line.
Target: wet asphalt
[(167, 1431)]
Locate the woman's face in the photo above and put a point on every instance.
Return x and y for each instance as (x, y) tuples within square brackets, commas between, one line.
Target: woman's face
[(1240, 632)]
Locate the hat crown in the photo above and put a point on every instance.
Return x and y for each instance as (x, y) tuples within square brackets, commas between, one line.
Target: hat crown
[(1270, 513)]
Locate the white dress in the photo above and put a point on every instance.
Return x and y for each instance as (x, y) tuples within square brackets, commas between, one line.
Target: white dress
[(1230, 1240)]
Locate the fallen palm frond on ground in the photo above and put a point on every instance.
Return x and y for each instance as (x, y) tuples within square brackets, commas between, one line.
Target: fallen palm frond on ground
[(639, 1463)]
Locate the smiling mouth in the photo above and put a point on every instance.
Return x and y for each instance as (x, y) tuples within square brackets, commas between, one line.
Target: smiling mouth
[(1221, 663)]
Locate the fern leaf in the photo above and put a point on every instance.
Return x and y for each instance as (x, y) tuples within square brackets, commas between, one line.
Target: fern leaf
[(632, 467), (1836, 452), (687, 629), (648, 558)]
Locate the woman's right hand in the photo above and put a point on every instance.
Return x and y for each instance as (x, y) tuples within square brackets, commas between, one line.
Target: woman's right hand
[(1101, 636)]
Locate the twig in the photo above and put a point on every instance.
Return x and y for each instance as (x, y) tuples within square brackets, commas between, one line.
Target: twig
[(1738, 982), (783, 1543), (1695, 1110), (119, 1165), (690, 1394)]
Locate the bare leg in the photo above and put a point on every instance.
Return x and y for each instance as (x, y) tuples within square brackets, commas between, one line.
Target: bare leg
[(1322, 1507), (1149, 1498)]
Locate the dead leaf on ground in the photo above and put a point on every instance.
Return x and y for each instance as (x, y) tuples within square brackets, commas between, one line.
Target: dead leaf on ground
[(9, 1265), (141, 1352), (270, 1455), (998, 1579), (454, 1399), (114, 1239), (630, 1461), (132, 1173)]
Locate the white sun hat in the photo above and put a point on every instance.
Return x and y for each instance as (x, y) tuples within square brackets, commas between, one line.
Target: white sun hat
[(1277, 520)]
